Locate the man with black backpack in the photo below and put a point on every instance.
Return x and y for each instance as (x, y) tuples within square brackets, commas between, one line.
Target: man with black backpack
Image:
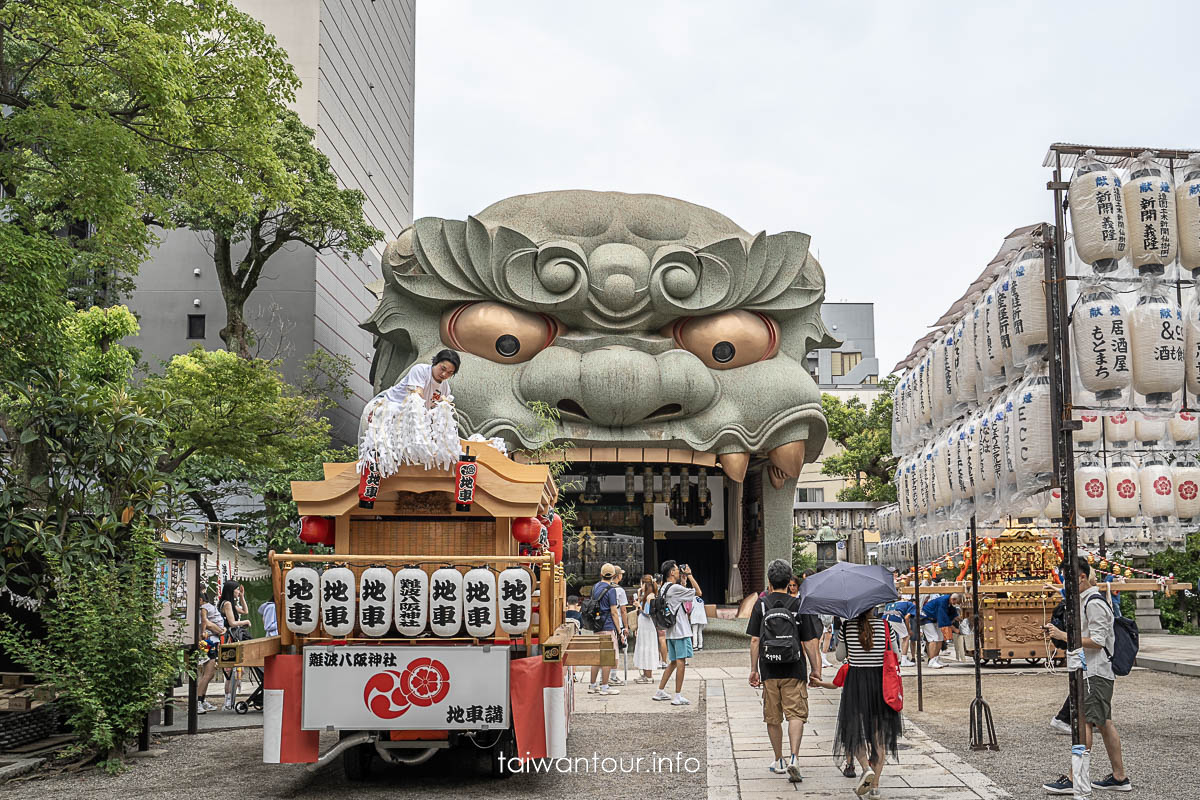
[(1100, 649), (780, 639), (600, 614)]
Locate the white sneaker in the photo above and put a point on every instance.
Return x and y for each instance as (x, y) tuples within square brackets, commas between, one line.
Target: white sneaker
[(874, 795), (593, 688), (908, 662), (608, 690), (661, 695), (616, 682), (209, 706), (680, 700), (1060, 726), (826, 662), (200, 709), (934, 663)]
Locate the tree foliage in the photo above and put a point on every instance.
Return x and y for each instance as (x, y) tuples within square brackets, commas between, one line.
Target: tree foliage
[(113, 102), (32, 309), (96, 352), (318, 215), (865, 437)]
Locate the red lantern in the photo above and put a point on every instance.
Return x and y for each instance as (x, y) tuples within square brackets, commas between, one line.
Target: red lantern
[(317, 530), (554, 531), (526, 529)]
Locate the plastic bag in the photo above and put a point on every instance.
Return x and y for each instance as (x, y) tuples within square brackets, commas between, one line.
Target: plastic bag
[(1097, 214), (1150, 216)]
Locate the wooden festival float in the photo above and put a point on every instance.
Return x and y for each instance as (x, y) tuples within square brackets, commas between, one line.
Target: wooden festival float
[(434, 619)]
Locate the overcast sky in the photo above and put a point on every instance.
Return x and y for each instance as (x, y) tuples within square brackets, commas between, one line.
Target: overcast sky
[(906, 138)]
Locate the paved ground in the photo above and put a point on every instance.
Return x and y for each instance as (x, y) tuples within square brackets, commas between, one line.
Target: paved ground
[(1167, 653)]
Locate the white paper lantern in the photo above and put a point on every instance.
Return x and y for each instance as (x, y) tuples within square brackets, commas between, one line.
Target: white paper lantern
[(1008, 441), (962, 470), (301, 600), (375, 588), (1186, 476), (1146, 429), (985, 468), (479, 602), (1054, 504), (1187, 209), (1191, 346), (1091, 490), (968, 368), (927, 390), (337, 601), (1101, 338), (938, 382), (1119, 429), (991, 357), (1156, 487), (1182, 427), (516, 601), (977, 331), (1157, 344), (1097, 214), (412, 601), (1092, 430), (941, 474), (1027, 305), (1150, 215), (1123, 492), (446, 602), (1034, 447)]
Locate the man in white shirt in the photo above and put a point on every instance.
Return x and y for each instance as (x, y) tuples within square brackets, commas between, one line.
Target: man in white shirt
[(676, 592), (1096, 629), (623, 632)]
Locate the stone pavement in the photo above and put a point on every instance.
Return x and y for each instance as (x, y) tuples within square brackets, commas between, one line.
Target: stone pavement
[(739, 752), (1167, 653)]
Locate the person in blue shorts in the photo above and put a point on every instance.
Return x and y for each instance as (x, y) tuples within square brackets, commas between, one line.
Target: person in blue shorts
[(677, 593), (937, 615)]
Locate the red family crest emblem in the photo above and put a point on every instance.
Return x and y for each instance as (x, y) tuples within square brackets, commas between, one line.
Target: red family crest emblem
[(422, 683)]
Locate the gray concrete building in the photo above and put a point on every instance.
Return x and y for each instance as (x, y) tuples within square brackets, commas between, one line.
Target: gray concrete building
[(356, 59), (854, 363)]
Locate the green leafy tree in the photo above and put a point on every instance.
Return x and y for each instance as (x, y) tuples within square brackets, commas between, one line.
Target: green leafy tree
[(33, 272), (96, 352), (1180, 609), (317, 214), (865, 437), (118, 110)]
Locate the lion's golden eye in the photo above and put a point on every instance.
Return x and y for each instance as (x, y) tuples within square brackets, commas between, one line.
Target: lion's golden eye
[(729, 340), (498, 332)]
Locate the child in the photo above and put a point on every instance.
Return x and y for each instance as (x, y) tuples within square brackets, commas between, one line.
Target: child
[(573, 610), (699, 618)]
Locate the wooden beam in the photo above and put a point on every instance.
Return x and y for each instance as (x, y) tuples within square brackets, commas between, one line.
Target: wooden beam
[(590, 651), (249, 653), (555, 644)]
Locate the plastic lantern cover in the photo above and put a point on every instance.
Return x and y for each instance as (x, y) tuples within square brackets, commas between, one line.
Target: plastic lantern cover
[(926, 398), (301, 600), (516, 601), (1027, 307), (1150, 216), (337, 601), (375, 589), (1004, 322), (943, 494), (1185, 474), (939, 382), (1119, 430), (1030, 508), (1191, 344), (977, 331), (1101, 350), (412, 601), (1008, 447), (479, 602), (1034, 446), (962, 470), (1097, 214), (958, 371), (446, 601), (1091, 488), (1148, 430), (1092, 431), (1187, 208), (1054, 504), (1183, 428), (898, 433), (991, 357), (1124, 497), (1156, 487), (1156, 344)]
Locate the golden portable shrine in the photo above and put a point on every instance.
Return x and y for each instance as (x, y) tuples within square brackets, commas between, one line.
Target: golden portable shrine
[(1018, 591), (436, 620)]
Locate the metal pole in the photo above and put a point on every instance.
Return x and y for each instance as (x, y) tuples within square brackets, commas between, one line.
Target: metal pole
[(920, 647), (1062, 424), (981, 712)]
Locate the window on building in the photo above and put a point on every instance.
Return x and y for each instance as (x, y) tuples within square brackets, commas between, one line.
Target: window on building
[(810, 495), (843, 363), (195, 326), (873, 379)]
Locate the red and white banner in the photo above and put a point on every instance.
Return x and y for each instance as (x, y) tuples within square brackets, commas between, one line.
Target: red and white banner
[(405, 688), (283, 740), (542, 700)]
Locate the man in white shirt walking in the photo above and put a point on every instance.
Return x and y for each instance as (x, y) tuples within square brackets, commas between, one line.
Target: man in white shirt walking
[(676, 592)]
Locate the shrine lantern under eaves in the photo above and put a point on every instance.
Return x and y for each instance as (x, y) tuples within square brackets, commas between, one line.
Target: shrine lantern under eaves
[(526, 530)]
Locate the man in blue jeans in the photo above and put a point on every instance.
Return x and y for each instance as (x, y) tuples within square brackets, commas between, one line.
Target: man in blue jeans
[(605, 594)]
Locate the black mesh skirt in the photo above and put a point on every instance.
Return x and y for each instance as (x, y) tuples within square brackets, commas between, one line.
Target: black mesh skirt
[(864, 719)]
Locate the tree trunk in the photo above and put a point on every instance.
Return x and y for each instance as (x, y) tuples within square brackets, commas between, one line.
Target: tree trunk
[(236, 334), (205, 505)]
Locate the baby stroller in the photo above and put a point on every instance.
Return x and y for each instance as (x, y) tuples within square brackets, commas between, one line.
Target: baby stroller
[(255, 699)]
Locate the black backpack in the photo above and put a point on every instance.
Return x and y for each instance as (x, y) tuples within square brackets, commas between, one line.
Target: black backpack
[(779, 635), (662, 613), (1126, 641), (592, 612)]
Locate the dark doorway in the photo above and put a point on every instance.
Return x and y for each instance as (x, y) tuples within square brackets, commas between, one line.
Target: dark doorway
[(706, 556)]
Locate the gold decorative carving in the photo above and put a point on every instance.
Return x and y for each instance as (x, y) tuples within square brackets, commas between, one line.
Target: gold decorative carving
[(1022, 629)]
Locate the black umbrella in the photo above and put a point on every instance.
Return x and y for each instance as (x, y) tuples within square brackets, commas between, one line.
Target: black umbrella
[(846, 590)]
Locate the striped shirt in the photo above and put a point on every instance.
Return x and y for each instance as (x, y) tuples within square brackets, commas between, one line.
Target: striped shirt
[(873, 657)]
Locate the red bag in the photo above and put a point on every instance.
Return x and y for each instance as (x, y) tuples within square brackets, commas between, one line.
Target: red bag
[(840, 678), (893, 686)]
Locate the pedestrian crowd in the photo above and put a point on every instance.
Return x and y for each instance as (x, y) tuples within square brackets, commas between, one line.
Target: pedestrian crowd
[(223, 618)]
